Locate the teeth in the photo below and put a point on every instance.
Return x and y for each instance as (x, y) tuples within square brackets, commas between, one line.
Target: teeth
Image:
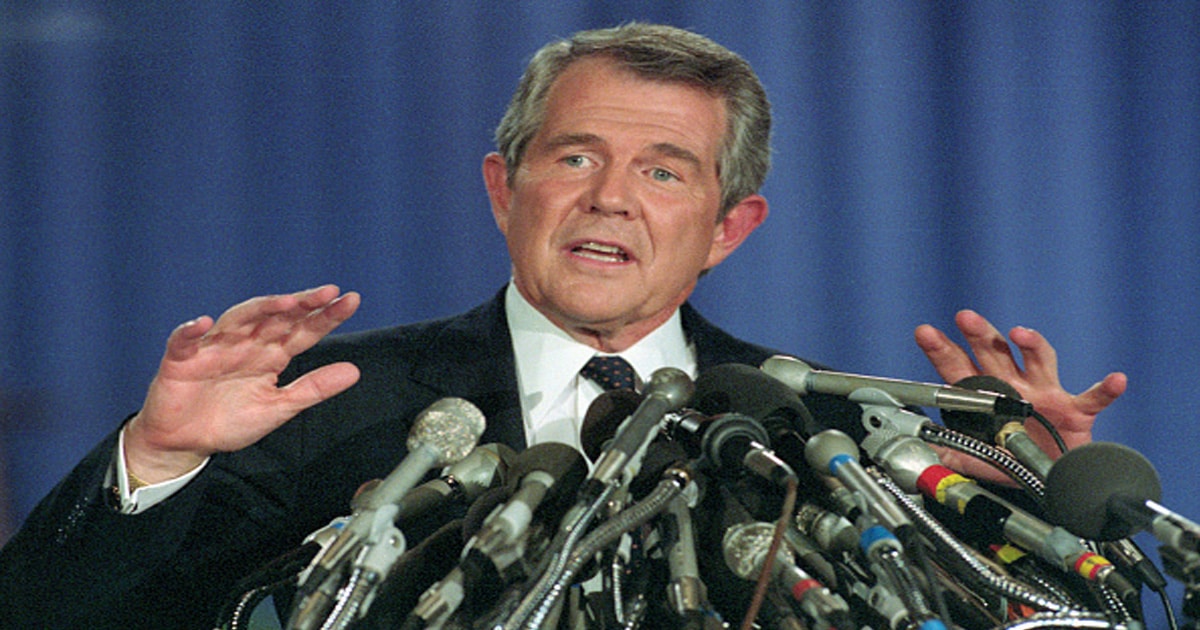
[(610, 249), (599, 251)]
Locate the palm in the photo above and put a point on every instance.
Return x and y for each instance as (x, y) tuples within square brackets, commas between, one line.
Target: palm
[(216, 389)]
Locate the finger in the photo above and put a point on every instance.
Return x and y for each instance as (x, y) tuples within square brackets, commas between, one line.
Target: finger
[(991, 349), (320, 323), (949, 359), (268, 318), (319, 385), (247, 317), (182, 343), (1038, 356), (319, 297), (1099, 396)]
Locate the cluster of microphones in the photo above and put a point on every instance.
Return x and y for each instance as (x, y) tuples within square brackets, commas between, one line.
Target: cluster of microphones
[(725, 502)]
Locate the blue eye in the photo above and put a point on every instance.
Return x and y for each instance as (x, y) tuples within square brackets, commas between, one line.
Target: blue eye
[(662, 175), (575, 160)]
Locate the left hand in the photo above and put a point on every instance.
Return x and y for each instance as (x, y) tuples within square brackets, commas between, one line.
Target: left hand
[(1072, 414)]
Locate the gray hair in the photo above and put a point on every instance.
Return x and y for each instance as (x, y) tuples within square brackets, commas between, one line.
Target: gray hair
[(658, 53)]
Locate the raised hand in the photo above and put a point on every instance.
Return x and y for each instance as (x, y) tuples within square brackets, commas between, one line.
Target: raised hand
[(1072, 414), (216, 388)]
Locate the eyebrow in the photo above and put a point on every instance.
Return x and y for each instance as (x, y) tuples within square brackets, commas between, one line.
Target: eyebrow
[(675, 151), (573, 139)]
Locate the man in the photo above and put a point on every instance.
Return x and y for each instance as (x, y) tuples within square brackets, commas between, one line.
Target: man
[(629, 163)]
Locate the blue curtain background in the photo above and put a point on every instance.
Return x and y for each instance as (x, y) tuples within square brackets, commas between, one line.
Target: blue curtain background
[(1038, 162)]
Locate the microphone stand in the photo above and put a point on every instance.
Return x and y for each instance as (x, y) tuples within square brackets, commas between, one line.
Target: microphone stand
[(1184, 565), (539, 603)]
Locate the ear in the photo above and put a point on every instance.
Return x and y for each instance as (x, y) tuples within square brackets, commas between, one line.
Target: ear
[(495, 178), (739, 222)]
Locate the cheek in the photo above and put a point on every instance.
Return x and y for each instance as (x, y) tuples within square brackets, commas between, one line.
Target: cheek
[(691, 244), (529, 236)]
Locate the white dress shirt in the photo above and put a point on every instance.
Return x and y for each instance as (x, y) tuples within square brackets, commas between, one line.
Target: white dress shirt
[(554, 397)]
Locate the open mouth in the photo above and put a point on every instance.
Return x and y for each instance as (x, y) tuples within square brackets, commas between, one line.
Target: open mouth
[(601, 252)]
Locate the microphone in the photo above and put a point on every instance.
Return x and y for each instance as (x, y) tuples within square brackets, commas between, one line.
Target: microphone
[(750, 391), (745, 547), (834, 452), (445, 432), (735, 387), (542, 475), (836, 536), (1005, 431), (603, 417), (885, 540), (803, 379), (1106, 491), (485, 467), (734, 441), (415, 570), (914, 466), (667, 390), (687, 594)]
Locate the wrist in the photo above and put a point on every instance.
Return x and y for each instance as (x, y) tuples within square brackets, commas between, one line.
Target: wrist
[(147, 463)]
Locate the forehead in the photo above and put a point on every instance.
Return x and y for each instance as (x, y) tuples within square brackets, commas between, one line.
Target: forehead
[(598, 96)]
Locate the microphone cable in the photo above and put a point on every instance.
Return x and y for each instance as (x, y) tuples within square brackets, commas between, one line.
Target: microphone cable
[(573, 527), (1051, 429), (1073, 619), (997, 458), (976, 568), (764, 576), (538, 604), (281, 572)]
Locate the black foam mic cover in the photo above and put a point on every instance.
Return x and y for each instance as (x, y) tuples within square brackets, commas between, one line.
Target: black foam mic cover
[(744, 389), (660, 455), (480, 509), (981, 426), (1086, 481), (603, 417)]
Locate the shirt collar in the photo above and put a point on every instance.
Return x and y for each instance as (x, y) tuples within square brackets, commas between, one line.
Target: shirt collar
[(548, 359)]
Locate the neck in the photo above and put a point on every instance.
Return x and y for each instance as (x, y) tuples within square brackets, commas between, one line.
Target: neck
[(611, 336), (616, 339)]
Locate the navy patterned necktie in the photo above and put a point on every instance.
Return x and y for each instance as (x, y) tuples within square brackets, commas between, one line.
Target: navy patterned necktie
[(610, 373)]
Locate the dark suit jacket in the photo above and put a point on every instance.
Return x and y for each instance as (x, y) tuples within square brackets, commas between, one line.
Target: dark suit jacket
[(77, 562)]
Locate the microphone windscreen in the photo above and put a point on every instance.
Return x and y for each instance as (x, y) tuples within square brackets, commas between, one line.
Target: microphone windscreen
[(603, 417), (450, 427), (1084, 482), (561, 461), (744, 389), (660, 455), (554, 458), (981, 426), (481, 508)]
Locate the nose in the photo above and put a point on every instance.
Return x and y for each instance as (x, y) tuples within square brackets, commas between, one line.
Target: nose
[(612, 192)]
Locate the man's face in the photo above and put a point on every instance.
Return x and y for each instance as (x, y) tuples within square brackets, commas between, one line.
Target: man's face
[(612, 214)]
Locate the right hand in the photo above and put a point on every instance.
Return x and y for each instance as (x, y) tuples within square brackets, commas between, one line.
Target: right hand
[(216, 388)]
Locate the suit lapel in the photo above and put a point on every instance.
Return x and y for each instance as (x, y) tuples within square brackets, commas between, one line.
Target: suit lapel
[(472, 358), (715, 346)]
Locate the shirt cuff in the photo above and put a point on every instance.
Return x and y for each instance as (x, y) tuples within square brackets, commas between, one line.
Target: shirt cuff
[(146, 497)]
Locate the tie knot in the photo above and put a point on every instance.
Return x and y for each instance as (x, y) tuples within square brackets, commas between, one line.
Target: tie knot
[(610, 373)]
